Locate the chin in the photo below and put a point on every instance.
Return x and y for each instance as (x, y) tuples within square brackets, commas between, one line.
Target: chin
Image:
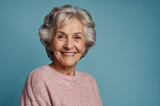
[(69, 64)]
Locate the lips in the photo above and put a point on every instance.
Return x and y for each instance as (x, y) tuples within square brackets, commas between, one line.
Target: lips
[(68, 53)]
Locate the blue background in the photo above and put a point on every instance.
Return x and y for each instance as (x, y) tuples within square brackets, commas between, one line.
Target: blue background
[(125, 60)]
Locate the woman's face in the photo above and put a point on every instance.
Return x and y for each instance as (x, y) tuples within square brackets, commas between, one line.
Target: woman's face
[(69, 43)]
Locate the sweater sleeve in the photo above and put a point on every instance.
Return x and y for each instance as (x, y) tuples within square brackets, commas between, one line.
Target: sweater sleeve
[(35, 92), (97, 92)]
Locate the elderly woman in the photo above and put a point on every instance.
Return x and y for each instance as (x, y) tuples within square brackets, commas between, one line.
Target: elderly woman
[(67, 34)]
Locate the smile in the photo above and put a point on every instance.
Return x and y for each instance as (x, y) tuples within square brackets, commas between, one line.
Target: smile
[(68, 53)]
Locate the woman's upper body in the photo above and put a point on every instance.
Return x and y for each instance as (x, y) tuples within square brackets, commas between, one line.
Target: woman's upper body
[(67, 34), (47, 87)]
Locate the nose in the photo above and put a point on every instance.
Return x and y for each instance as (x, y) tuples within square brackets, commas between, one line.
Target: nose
[(69, 44)]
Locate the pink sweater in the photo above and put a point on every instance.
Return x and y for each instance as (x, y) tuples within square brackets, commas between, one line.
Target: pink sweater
[(47, 87)]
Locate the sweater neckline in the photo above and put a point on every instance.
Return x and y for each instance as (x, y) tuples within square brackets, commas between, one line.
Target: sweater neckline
[(63, 76)]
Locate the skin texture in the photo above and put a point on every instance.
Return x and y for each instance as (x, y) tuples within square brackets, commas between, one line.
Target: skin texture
[(68, 45)]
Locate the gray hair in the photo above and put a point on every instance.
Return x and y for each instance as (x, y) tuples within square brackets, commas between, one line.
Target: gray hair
[(65, 14)]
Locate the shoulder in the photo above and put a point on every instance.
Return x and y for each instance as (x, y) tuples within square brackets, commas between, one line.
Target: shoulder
[(86, 77), (39, 74), (35, 89), (90, 85)]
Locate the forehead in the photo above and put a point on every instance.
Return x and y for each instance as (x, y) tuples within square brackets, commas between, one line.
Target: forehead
[(73, 25)]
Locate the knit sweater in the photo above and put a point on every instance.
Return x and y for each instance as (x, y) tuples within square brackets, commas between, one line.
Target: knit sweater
[(47, 87)]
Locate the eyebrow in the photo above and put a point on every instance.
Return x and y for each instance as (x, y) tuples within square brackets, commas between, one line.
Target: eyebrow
[(60, 32), (66, 34)]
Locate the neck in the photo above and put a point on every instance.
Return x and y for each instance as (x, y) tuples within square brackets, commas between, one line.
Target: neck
[(67, 70)]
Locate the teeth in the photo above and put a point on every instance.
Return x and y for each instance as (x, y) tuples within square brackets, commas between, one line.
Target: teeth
[(69, 54)]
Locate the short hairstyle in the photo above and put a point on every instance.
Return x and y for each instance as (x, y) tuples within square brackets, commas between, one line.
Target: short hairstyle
[(64, 14)]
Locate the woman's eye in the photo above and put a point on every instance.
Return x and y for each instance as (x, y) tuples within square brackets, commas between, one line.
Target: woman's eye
[(77, 37), (61, 36)]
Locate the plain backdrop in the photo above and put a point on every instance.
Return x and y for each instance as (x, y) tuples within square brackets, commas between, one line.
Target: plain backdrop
[(125, 60)]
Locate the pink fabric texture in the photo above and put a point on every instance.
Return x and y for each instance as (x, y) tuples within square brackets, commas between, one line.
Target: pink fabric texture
[(47, 87)]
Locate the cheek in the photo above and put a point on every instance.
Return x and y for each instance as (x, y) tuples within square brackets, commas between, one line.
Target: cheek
[(81, 47), (57, 45)]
